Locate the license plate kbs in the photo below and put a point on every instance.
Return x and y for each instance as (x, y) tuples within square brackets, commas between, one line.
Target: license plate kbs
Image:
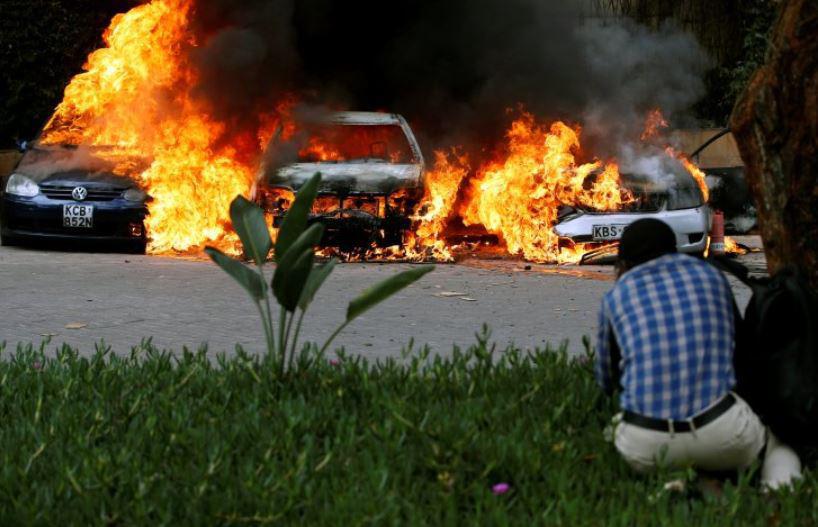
[(79, 216), (608, 232)]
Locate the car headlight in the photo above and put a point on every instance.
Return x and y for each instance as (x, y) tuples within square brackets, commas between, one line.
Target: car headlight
[(20, 185), (134, 194)]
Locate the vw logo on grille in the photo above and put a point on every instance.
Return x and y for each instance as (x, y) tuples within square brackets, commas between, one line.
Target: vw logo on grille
[(79, 193)]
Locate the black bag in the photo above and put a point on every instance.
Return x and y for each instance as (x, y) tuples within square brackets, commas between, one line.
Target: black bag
[(776, 358)]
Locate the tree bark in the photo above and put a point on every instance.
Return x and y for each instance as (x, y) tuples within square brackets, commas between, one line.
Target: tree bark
[(775, 123)]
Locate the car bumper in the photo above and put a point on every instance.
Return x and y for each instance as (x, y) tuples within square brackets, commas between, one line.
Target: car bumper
[(41, 218), (689, 225)]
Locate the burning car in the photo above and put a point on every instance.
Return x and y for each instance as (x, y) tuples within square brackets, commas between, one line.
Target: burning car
[(675, 199), (64, 193), (372, 178)]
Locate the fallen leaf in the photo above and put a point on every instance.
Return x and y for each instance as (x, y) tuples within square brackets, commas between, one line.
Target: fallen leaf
[(589, 458), (76, 325), (558, 447)]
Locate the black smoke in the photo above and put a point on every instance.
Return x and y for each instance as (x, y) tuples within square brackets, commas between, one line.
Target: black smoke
[(452, 68)]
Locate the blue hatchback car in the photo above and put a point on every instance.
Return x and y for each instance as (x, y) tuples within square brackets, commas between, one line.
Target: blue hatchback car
[(67, 194)]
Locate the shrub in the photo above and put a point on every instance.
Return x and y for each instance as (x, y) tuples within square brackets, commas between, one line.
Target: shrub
[(296, 278), (154, 438)]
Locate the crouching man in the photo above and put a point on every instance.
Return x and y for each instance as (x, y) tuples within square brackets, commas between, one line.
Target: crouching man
[(666, 340)]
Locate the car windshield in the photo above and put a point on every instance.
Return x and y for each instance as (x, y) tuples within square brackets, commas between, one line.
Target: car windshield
[(677, 191), (345, 143), (647, 198), (684, 193)]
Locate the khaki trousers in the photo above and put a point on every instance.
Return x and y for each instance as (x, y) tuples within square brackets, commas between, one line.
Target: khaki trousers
[(732, 441)]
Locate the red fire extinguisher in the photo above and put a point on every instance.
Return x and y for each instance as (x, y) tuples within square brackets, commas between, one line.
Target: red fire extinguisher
[(717, 233)]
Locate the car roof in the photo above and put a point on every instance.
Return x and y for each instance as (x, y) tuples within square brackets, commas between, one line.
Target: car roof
[(370, 118)]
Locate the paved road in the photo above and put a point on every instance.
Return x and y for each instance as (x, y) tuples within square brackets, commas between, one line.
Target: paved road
[(82, 298)]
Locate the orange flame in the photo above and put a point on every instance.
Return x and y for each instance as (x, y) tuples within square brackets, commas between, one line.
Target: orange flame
[(695, 171), (135, 99), (731, 246), (442, 185), (517, 196), (653, 123), (320, 150)]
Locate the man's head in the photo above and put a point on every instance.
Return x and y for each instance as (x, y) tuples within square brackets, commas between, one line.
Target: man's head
[(644, 240)]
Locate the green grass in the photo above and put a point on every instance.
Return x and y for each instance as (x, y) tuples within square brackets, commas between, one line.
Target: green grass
[(153, 439)]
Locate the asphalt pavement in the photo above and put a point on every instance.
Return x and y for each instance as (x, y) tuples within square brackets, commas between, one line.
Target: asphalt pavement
[(83, 298)]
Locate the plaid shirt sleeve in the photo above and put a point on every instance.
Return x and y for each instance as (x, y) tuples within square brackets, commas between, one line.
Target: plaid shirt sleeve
[(603, 352)]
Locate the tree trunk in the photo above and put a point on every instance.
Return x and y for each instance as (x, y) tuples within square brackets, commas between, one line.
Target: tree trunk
[(775, 123)]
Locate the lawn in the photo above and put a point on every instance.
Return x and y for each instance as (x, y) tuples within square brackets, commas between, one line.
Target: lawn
[(158, 439)]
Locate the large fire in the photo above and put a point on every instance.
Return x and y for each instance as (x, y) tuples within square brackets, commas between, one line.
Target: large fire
[(518, 195), (137, 98)]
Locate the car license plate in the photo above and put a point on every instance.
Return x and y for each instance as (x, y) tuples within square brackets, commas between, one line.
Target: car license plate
[(81, 216), (607, 232)]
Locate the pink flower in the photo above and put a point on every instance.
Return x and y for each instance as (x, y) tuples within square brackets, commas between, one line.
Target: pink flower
[(334, 362), (37, 365), (500, 488)]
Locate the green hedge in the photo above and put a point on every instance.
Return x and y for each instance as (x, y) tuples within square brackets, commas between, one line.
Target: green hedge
[(154, 439)]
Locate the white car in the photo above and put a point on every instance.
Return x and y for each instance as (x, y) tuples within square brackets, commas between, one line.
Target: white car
[(676, 200)]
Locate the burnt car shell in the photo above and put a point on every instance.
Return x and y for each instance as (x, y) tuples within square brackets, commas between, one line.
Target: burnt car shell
[(41, 217), (363, 201)]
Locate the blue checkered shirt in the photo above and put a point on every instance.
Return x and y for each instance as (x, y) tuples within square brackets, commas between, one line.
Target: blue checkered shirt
[(672, 319)]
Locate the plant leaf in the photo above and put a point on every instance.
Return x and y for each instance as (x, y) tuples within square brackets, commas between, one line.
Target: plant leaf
[(251, 226), (383, 290), (249, 279), (291, 287), (318, 276), (287, 278), (295, 220)]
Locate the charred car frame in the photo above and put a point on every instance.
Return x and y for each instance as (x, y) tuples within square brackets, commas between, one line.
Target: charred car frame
[(372, 179)]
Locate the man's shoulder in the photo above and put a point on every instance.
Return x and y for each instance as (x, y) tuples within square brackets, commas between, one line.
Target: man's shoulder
[(669, 267), (676, 262), (684, 263)]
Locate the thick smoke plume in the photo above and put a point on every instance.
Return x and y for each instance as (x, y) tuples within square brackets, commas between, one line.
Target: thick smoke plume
[(452, 68)]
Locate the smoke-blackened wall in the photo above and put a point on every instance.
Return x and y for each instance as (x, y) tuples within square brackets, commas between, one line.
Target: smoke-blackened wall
[(452, 68)]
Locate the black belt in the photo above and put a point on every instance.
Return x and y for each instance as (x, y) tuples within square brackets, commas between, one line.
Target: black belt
[(666, 425)]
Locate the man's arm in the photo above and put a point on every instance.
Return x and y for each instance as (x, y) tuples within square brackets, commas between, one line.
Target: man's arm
[(603, 353)]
